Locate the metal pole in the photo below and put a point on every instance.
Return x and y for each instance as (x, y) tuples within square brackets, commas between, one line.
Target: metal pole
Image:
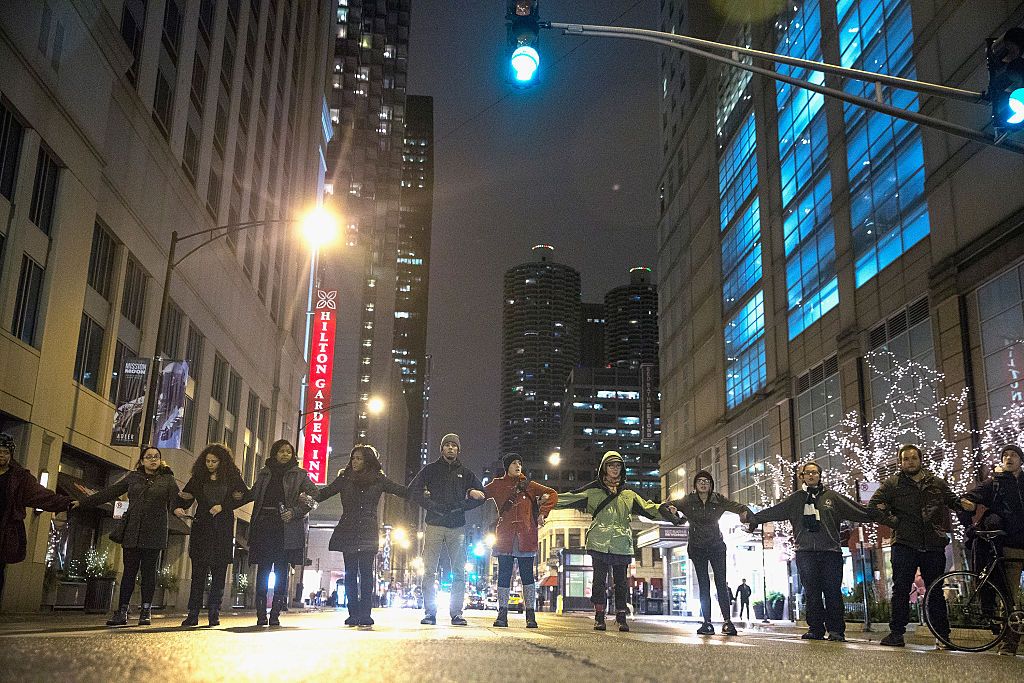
[(764, 582), (864, 579), (154, 375), (896, 112)]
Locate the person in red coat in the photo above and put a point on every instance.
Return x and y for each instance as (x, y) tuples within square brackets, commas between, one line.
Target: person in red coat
[(19, 490), (523, 505)]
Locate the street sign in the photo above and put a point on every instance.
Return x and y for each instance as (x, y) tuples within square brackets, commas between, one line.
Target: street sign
[(321, 371), (648, 399), (866, 489)]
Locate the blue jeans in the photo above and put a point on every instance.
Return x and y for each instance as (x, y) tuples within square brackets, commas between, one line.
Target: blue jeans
[(436, 539)]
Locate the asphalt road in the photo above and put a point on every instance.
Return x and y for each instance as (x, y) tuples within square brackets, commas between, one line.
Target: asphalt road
[(318, 647)]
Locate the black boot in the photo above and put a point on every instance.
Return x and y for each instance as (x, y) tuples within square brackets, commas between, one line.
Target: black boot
[(261, 610), (119, 617), (599, 622), (502, 620), (192, 619), (531, 619), (620, 619), (214, 616), (145, 615), (275, 610)]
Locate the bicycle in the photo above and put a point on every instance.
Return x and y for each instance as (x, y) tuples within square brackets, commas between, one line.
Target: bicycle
[(980, 614)]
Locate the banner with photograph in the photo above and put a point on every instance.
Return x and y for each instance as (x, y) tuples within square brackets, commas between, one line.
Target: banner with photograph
[(170, 406), (132, 381)]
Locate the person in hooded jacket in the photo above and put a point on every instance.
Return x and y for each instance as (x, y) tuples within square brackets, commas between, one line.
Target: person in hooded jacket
[(520, 512), (703, 508), (277, 533), (152, 493), (19, 490), (216, 488), (816, 513), (610, 539), (360, 486), (1003, 496)]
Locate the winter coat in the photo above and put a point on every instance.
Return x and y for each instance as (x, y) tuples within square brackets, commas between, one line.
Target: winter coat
[(356, 531), (295, 481), (703, 516), (517, 524), (920, 508), (833, 508), (23, 491), (609, 530), (151, 497), (743, 592), (1003, 495), (447, 486), (212, 540)]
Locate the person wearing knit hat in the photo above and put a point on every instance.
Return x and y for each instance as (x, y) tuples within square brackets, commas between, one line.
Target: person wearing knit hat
[(611, 504), (446, 489), (703, 508), (522, 506), (19, 490)]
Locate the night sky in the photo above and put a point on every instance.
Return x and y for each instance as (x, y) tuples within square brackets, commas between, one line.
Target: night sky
[(572, 162)]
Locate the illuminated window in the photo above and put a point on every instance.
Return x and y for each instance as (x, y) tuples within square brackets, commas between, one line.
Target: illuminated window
[(745, 370)]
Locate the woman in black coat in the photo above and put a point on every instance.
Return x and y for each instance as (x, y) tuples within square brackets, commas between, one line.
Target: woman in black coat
[(360, 486), (277, 535), (216, 487), (152, 493)]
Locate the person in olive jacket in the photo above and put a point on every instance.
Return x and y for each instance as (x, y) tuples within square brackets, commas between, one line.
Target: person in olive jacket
[(703, 508), (816, 513), (1003, 496), (277, 533), (523, 505), (360, 486), (919, 503), (152, 494), (610, 539), (216, 488), (19, 490)]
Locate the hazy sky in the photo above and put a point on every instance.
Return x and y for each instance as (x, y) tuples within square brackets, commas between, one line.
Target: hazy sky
[(571, 162)]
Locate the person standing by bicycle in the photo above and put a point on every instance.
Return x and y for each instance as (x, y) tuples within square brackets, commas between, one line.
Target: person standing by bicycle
[(1003, 495), (920, 503)]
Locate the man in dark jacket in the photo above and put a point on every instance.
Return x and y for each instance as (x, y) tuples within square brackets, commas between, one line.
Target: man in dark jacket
[(445, 488), (1003, 495), (703, 508), (19, 490), (919, 503), (743, 594), (815, 513)]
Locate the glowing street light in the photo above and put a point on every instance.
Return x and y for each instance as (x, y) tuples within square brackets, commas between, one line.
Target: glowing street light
[(375, 406), (555, 459), (490, 540), (320, 227)]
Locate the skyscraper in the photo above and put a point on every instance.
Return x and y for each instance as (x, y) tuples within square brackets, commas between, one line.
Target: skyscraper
[(540, 346), (592, 324), (631, 321)]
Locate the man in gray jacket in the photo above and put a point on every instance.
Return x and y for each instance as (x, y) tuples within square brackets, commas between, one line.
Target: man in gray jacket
[(815, 513)]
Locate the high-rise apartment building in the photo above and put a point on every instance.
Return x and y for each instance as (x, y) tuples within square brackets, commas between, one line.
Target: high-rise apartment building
[(120, 122), (631, 321), (592, 324), (540, 346), (799, 233)]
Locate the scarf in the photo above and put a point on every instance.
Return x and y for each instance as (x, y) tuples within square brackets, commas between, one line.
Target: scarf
[(812, 516)]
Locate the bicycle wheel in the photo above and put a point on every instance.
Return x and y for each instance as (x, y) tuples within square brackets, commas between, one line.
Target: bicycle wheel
[(977, 612)]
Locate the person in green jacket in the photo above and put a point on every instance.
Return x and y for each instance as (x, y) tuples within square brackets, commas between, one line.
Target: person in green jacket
[(610, 538)]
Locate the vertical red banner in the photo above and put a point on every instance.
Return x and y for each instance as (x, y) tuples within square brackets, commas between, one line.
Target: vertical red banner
[(318, 395)]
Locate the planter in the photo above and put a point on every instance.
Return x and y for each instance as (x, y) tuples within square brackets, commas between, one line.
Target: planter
[(775, 609), (99, 595), (759, 610), (69, 595)]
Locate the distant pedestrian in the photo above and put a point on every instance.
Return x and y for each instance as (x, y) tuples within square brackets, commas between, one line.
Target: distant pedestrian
[(216, 488), (919, 503), (360, 486), (152, 494), (277, 534), (446, 489), (743, 593), (19, 490), (611, 504), (816, 513), (703, 508), (520, 512)]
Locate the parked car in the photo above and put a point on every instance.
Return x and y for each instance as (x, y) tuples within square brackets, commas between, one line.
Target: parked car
[(475, 602), (515, 602), (491, 602)]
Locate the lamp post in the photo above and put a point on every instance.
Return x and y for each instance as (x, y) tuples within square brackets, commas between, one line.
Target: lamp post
[(319, 227), (375, 406)]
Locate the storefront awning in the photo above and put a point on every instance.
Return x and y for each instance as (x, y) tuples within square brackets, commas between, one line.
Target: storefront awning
[(663, 536), (548, 581)]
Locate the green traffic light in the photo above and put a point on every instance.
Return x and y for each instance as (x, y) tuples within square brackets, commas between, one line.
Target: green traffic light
[(1016, 105)]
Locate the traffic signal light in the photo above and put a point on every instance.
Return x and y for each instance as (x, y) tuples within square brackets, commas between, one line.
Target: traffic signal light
[(1006, 81), (523, 28)]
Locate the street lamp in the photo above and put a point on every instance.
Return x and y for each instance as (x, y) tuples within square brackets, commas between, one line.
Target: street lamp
[(555, 459), (317, 228), (373, 405)]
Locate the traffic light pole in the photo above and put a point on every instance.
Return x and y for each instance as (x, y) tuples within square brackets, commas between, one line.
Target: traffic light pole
[(694, 46)]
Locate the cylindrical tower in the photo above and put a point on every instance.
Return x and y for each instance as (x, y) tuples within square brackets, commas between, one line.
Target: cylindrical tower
[(631, 320)]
